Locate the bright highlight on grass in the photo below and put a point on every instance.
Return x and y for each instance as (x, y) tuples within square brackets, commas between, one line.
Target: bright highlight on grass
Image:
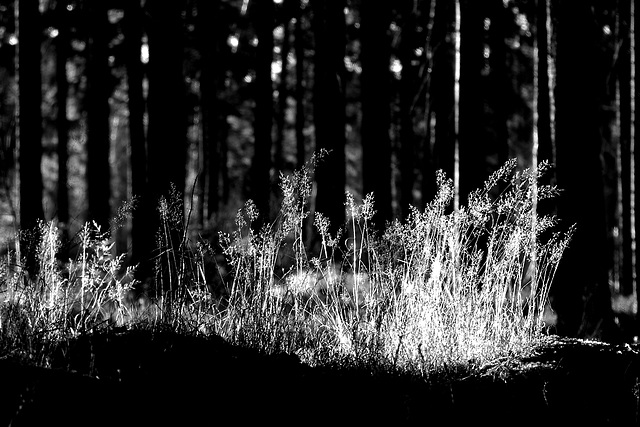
[(442, 288)]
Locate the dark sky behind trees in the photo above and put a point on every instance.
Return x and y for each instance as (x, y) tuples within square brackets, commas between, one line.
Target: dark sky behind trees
[(114, 101)]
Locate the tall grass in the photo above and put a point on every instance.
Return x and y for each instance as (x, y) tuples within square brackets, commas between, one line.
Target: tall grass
[(442, 288)]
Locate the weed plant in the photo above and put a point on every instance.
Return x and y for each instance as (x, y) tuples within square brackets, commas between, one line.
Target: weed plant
[(442, 288)]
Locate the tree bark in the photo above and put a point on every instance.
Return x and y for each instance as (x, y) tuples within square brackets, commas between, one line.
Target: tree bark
[(300, 89), (376, 110), (329, 107), (263, 19), (140, 227), (99, 83), (29, 121), (580, 292), (62, 124)]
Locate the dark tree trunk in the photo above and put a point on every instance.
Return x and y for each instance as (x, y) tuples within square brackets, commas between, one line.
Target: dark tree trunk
[(263, 19), (473, 165), (300, 89), (329, 107), (376, 112), (442, 94), (545, 143), (29, 125), (427, 166), (497, 95), (283, 94), (62, 124), (580, 293), (624, 82), (166, 103), (98, 112), (140, 227), (408, 91), (210, 32)]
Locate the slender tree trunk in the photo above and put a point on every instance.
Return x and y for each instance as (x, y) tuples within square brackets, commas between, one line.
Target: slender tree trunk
[(98, 112), (329, 107), (300, 89), (498, 82), (29, 125), (580, 293), (428, 188), (442, 98), (140, 227), (283, 95), (62, 124), (209, 26), (376, 112), (407, 92), (263, 19), (472, 155)]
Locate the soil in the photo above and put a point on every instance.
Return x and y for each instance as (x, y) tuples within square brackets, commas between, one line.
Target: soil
[(160, 378)]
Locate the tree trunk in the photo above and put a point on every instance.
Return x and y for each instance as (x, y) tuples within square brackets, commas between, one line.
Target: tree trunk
[(376, 110), (580, 293), (263, 19), (442, 95), (210, 33), (140, 227), (408, 90), (62, 124), (29, 122), (98, 111), (428, 188), (329, 107), (473, 167), (300, 89), (283, 95)]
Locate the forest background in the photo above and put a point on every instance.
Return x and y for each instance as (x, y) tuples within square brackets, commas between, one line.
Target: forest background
[(104, 105)]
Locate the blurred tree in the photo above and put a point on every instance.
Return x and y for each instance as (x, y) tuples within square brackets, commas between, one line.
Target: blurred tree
[(99, 84), (29, 122), (581, 296), (298, 46), (212, 39), (132, 26), (329, 107), (428, 160), (263, 21), (376, 111), (473, 147), (406, 55), (62, 42)]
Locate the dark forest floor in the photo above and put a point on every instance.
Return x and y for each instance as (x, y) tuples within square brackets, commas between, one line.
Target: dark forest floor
[(160, 378)]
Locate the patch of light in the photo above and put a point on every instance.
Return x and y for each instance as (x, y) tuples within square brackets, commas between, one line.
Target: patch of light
[(487, 52), (606, 30), (396, 68), (233, 41), (115, 15), (278, 32), (248, 78), (276, 69), (393, 26), (254, 41), (487, 24), (418, 51), (144, 53), (278, 1), (52, 32), (70, 7), (245, 5), (13, 40)]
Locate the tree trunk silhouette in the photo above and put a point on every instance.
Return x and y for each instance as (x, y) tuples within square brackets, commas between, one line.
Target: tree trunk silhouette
[(141, 232), (376, 112), (263, 20), (98, 111), (62, 124), (442, 94), (471, 145), (408, 91), (300, 89), (497, 95), (329, 107), (29, 121), (167, 136), (428, 160), (210, 32), (283, 95), (580, 292)]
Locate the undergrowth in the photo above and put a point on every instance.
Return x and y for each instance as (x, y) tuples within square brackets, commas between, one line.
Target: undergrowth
[(443, 288)]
